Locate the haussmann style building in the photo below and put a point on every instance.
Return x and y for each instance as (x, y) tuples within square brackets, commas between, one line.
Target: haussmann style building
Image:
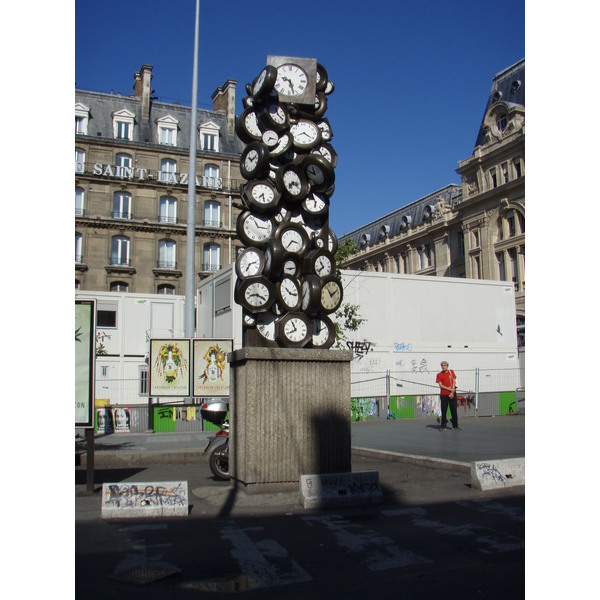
[(131, 189), (476, 229)]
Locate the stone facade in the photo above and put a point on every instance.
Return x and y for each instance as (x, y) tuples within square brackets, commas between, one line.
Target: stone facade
[(131, 189), (475, 230)]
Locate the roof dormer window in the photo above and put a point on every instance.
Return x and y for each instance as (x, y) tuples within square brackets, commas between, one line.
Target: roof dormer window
[(209, 137), (167, 130), (123, 122), (82, 117)]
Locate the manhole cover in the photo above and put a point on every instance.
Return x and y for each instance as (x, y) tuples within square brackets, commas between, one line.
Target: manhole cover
[(143, 574)]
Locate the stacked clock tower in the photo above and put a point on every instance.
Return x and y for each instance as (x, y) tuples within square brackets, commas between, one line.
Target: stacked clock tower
[(287, 283)]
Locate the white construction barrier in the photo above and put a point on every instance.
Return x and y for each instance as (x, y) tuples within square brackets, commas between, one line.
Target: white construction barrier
[(340, 489), (148, 499), (497, 474)]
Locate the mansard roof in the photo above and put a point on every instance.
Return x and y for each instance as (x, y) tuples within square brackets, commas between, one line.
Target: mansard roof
[(508, 86), (102, 106), (405, 218)]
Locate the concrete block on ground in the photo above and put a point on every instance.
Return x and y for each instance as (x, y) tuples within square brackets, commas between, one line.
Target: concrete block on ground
[(340, 489), (498, 474), (144, 500)]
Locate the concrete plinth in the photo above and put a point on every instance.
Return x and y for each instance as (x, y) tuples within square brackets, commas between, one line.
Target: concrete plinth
[(289, 415)]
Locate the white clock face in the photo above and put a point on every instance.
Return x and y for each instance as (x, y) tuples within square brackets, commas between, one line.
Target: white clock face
[(290, 293), (250, 263), (322, 266), (305, 132), (257, 228), (259, 81), (263, 194), (325, 153), (295, 329), (291, 80), (265, 324), (276, 113), (251, 160), (282, 143), (330, 295), (320, 332), (290, 267), (251, 123), (292, 240), (256, 294), (315, 203), (270, 138), (292, 183), (305, 295)]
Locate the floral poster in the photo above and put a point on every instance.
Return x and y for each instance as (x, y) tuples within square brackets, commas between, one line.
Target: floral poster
[(169, 367), (211, 369)]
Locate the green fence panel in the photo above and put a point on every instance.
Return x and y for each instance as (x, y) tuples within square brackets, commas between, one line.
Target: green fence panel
[(163, 419), (506, 403), (403, 406)]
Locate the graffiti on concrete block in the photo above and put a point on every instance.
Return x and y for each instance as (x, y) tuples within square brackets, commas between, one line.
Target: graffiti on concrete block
[(145, 495), (490, 471)]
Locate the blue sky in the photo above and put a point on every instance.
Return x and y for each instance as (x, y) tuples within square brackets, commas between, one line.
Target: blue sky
[(412, 78)]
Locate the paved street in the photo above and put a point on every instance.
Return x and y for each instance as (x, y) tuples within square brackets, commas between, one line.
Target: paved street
[(433, 534)]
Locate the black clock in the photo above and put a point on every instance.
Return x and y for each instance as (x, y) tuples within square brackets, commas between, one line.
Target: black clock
[(261, 196), (323, 332), (265, 325), (327, 152), (254, 162), (249, 262), (292, 266), (273, 115), (289, 293), (319, 262), (293, 237), (247, 127), (315, 204), (325, 128), (255, 294), (264, 83), (292, 182), (331, 294), (311, 294), (274, 257), (306, 134), (293, 330), (254, 230), (284, 144), (319, 172), (322, 79)]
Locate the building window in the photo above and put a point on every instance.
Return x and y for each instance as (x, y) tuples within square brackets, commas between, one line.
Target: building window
[(209, 137), (517, 167), (167, 210), (167, 254), (79, 160), (476, 238), (166, 288), (123, 125), (405, 263), (476, 267), (461, 244), (212, 214), (82, 117), (78, 248), (77, 284), (510, 221), (168, 170), (501, 122), (504, 168), (123, 166), (211, 176), (79, 201), (121, 205), (425, 256), (501, 266), (211, 258), (167, 130), (493, 178), (119, 286), (514, 273), (119, 251), (143, 371), (106, 314)]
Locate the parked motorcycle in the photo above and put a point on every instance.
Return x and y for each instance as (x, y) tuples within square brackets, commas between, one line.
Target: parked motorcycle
[(217, 445)]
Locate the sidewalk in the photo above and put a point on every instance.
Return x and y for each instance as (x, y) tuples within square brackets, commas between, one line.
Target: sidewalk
[(416, 462)]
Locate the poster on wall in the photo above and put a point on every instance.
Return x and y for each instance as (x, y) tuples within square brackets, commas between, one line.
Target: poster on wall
[(211, 369), (121, 420), (169, 367), (85, 354)]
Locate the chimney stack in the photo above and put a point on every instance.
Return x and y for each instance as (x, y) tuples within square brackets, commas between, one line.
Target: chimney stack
[(224, 99), (142, 88)]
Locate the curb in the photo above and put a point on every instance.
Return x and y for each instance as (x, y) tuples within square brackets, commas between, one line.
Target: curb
[(413, 459)]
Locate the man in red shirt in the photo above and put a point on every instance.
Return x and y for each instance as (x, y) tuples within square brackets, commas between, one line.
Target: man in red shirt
[(446, 379)]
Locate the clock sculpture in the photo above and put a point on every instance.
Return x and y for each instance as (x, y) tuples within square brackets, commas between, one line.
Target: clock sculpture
[(286, 282)]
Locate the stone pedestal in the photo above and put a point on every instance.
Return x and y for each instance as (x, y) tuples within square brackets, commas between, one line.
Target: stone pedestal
[(289, 415)]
